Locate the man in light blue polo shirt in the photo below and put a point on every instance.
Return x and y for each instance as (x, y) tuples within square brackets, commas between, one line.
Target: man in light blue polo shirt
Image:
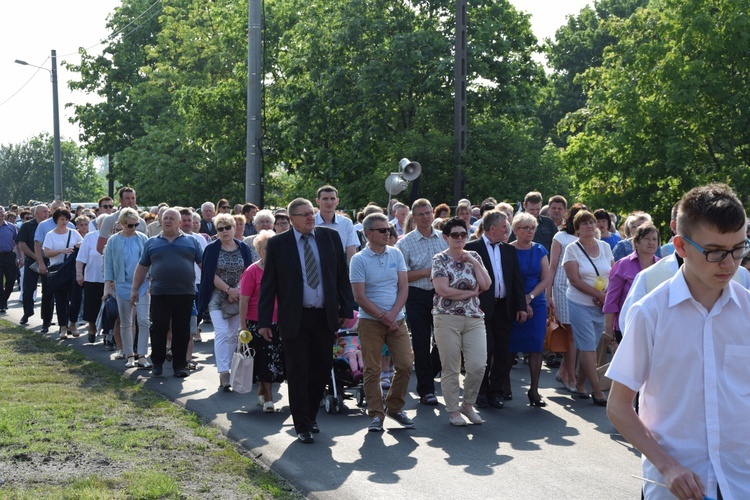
[(380, 285)]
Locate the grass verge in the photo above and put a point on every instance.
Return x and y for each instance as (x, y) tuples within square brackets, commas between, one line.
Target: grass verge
[(72, 428)]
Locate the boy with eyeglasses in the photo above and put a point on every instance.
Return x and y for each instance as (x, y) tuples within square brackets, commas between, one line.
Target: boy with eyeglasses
[(686, 349)]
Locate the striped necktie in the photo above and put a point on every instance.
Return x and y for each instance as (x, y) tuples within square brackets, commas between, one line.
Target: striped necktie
[(311, 267)]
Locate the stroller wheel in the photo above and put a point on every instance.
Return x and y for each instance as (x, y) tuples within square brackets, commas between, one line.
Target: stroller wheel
[(331, 406), (340, 404)]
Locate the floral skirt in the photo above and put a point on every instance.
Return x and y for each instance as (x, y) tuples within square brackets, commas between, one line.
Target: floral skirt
[(269, 356)]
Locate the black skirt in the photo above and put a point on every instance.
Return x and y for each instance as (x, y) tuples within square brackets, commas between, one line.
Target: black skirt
[(269, 356), (92, 300)]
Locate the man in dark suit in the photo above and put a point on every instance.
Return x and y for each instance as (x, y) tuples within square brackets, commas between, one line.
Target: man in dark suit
[(306, 271), (208, 210), (504, 302)]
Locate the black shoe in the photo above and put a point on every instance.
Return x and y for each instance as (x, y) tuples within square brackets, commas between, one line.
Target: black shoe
[(495, 402), (305, 437), (2, 310), (536, 402), (110, 345), (599, 402), (508, 396), (181, 373), (92, 338), (24, 320), (45, 327), (429, 400), (315, 428), (481, 401), (157, 370)]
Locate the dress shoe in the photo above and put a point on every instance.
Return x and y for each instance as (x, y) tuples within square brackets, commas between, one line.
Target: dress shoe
[(45, 327), (157, 370), (481, 401), (24, 320), (305, 437), (315, 429), (429, 400), (600, 402), (495, 402), (181, 373), (536, 402)]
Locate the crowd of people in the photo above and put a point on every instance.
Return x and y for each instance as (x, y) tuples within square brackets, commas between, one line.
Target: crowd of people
[(440, 290)]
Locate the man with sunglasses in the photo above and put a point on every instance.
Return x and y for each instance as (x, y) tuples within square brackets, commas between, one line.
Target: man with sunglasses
[(686, 351), (381, 286), (127, 199), (106, 205)]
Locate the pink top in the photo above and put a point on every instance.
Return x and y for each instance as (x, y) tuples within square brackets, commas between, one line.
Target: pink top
[(250, 287), (621, 278)]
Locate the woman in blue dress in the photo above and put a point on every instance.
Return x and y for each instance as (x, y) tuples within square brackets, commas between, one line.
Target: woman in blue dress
[(528, 337)]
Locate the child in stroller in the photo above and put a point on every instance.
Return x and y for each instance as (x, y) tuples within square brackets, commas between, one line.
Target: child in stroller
[(347, 348)]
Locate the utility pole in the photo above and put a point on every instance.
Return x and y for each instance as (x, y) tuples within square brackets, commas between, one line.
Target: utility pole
[(254, 156), (459, 100)]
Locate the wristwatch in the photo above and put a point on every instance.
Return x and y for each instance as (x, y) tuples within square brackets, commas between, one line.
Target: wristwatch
[(532, 296)]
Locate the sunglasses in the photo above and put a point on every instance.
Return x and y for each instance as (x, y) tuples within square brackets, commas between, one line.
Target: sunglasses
[(457, 236), (107, 206), (381, 230), (224, 207), (224, 228), (131, 226)]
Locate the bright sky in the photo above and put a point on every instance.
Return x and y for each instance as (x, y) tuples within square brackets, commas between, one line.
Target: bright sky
[(29, 29)]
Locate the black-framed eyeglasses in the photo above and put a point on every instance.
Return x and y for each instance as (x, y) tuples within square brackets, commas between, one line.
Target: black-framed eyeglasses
[(718, 255), (224, 228), (461, 235), (131, 226), (381, 230), (306, 214), (281, 223)]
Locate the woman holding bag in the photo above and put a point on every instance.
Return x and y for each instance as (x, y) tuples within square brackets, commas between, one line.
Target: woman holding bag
[(224, 261), (59, 246), (269, 356), (587, 263)]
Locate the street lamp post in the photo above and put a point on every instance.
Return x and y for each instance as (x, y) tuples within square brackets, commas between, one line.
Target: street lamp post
[(56, 124)]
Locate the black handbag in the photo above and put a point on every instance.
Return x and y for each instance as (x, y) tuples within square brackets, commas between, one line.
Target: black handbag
[(62, 274)]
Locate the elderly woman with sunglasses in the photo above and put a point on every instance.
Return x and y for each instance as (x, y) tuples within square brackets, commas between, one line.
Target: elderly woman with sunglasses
[(459, 277), (121, 256), (224, 261)]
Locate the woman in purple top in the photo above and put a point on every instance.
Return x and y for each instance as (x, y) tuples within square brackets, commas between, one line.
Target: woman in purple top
[(622, 274)]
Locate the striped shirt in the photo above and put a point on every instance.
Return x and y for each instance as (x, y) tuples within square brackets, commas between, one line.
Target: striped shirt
[(418, 252)]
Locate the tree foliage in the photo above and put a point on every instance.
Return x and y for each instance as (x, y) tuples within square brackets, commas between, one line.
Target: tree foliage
[(667, 109), (27, 172), (351, 87)]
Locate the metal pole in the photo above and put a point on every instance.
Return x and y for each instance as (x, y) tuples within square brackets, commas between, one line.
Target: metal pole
[(459, 100), (56, 125), (253, 159)]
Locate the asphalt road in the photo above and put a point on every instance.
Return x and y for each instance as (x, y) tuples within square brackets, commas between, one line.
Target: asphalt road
[(567, 450)]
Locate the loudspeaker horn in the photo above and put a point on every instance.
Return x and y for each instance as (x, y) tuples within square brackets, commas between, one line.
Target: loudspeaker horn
[(410, 170), (395, 183)]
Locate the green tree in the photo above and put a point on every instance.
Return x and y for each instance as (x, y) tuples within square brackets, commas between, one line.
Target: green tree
[(667, 110), (27, 171)]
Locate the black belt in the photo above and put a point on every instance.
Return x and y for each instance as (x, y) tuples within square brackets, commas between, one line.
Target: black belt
[(8, 253)]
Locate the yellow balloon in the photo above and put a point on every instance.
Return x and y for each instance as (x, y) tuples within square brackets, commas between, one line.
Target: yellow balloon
[(245, 336)]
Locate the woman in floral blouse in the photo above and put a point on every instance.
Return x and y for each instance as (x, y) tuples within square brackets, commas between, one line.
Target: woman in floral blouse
[(459, 277)]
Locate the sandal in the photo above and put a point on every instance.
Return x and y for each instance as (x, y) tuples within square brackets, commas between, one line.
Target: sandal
[(169, 354), (131, 361), (268, 407), (119, 355), (143, 362), (192, 365)]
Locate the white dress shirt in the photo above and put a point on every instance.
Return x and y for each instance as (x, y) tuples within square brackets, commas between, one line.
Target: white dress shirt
[(497, 267), (692, 368)]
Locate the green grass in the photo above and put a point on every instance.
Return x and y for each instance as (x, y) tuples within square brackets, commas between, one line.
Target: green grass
[(59, 408)]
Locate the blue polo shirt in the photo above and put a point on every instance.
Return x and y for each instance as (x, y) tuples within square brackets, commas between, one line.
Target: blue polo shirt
[(379, 273), (171, 263)]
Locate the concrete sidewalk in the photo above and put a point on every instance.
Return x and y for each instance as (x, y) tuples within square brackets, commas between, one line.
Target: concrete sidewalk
[(567, 450)]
